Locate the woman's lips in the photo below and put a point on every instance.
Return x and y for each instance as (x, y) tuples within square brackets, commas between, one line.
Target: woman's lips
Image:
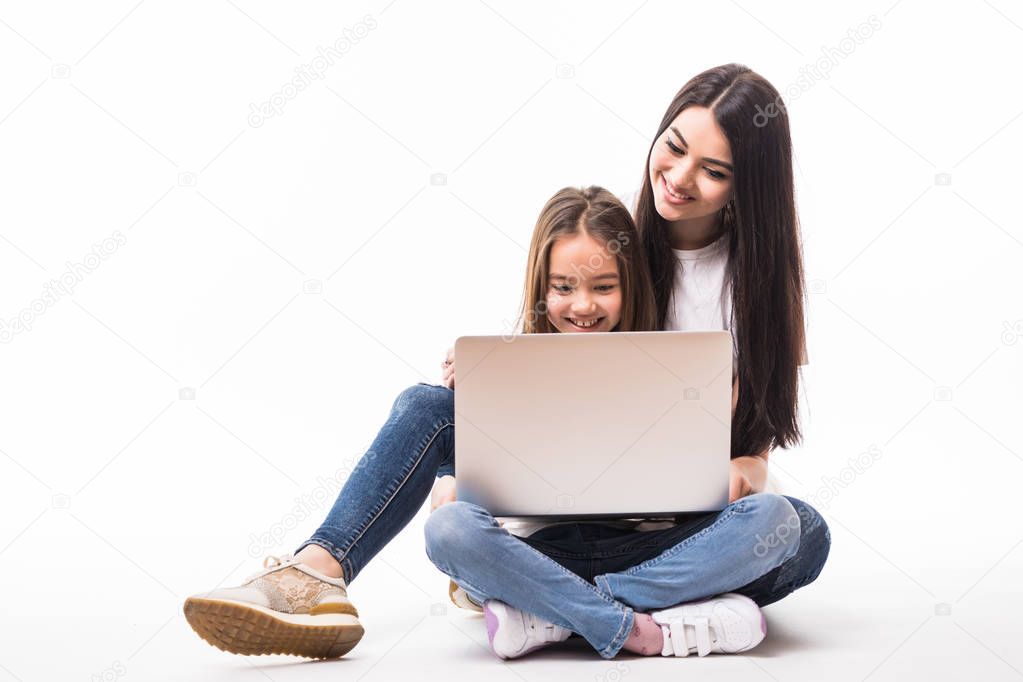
[(671, 198)]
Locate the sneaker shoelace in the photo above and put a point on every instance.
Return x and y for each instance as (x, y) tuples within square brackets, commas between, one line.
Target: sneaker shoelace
[(677, 641), (271, 564)]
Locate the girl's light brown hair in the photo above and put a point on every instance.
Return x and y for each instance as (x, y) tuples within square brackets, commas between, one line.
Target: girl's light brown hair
[(598, 213)]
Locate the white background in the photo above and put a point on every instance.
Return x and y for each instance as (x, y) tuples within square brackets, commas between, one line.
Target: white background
[(120, 498)]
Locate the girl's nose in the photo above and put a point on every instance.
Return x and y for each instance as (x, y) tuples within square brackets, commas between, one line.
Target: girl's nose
[(583, 305)]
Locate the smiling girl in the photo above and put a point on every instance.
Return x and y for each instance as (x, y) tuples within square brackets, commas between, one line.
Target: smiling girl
[(586, 253)]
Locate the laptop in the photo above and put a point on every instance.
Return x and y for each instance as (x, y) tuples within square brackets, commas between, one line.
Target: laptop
[(603, 424)]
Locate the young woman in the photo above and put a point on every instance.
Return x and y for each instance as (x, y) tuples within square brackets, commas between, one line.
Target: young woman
[(299, 605), (716, 218)]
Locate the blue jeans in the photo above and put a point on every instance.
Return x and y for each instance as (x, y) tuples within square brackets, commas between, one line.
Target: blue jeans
[(392, 479), (591, 579), (416, 444)]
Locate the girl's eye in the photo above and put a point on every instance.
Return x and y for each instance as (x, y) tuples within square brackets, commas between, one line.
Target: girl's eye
[(674, 147), (606, 287), (717, 175), (561, 288)]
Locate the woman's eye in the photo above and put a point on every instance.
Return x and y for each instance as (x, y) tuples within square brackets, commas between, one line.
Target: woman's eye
[(675, 148), (717, 175), (561, 288), (606, 287)]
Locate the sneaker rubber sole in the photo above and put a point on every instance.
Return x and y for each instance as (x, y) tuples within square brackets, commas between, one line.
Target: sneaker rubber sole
[(251, 630)]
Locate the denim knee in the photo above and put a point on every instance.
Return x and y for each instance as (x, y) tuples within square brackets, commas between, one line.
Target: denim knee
[(431, 407), (815, 542), (780, 523), (427, 399), (450, 532)]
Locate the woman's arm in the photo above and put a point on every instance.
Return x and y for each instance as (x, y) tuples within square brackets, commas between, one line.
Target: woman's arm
[(747, 474)]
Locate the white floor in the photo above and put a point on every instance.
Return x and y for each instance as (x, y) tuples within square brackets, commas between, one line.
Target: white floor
[(103, 616)]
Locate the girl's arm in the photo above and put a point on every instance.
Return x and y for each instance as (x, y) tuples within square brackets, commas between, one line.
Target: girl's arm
[(448, 369), (443, 492)]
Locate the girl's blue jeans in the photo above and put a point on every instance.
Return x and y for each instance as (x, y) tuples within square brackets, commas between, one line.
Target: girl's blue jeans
[(589, 578)]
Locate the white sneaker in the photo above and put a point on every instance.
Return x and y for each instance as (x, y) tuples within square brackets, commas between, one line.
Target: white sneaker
[(287, 608), (725, 624), (514, 633)]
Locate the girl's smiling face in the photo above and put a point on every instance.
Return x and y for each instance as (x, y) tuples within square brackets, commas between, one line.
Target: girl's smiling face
[(691, 167), (584, 293)]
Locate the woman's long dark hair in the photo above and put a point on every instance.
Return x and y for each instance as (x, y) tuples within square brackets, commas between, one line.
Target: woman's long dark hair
[(765, 259)]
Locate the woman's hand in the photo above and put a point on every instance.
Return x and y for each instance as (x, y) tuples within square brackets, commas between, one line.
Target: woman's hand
[(443, 492), (739, 484), (448, 367)]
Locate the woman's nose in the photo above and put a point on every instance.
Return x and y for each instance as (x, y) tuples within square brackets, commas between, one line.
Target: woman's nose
[(681, 175)]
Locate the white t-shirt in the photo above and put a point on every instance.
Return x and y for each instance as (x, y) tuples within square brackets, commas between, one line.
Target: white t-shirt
[(702, 299)]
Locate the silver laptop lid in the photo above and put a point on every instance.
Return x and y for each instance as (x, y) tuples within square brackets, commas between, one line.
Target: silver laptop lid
[(625, 424)]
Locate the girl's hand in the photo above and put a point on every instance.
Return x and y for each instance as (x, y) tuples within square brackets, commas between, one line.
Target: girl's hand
[(448, 368), (739, 484), (443, 492)]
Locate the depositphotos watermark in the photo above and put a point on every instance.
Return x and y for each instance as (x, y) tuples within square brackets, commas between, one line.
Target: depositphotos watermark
[(325, 58), (818, 70), (306, 505), (595, 262), (832, 486), (55, 289)]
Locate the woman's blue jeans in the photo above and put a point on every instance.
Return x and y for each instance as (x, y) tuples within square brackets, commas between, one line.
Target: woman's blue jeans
[(586, 577), (591, 578)]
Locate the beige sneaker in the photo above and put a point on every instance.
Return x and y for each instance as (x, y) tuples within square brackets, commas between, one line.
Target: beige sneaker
[(287, 608), (460, 598)]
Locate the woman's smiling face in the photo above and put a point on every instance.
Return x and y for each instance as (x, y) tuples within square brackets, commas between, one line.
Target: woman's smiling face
[(583, 289), (691, 167)]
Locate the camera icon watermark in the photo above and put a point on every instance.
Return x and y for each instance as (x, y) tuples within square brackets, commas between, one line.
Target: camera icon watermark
[(943, 179), (943, 609), (186, 393), (1012, 332), (61, 501), (564, 71), (438, 609), (943, 394), (615, 674), (691, 393), (438, 179), (818, 286), (187, 179), (564, 501), (60, 71), (312, 286)]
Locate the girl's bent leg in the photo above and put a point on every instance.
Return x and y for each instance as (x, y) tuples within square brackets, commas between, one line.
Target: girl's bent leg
[(392, 480), (464, 541), (748, 539)]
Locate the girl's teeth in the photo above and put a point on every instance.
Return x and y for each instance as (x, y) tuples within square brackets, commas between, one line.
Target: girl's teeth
[(584, 324)]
